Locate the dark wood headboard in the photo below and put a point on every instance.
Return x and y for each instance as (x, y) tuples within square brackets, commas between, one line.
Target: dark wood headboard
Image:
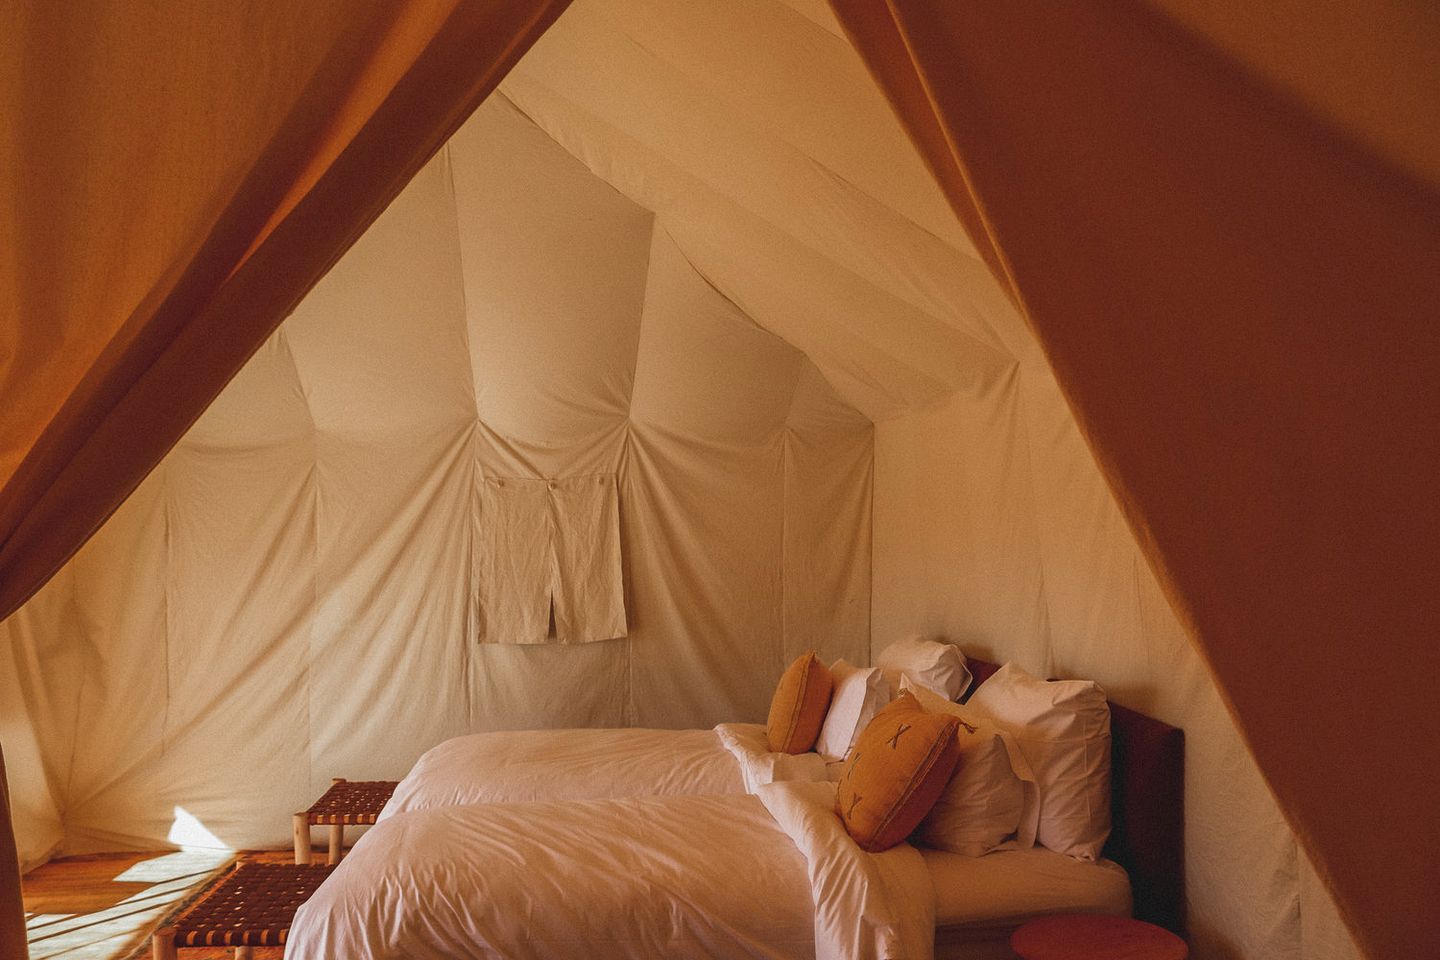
[(1147, 808)]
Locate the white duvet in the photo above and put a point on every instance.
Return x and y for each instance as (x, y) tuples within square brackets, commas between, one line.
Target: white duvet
[(770, 875), (511, 766)]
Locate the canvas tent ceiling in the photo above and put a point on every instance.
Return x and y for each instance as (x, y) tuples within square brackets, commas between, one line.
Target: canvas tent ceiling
[(768, 206)]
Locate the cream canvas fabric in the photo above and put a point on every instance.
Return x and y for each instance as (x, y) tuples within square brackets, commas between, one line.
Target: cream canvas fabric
[(663, 252), (299, 579)]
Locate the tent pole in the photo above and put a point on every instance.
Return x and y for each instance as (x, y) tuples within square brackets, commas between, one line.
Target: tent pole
[(12, 913)]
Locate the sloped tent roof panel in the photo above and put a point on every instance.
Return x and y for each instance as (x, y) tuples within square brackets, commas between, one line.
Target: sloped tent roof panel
[(766, 207), (262, 171), (1256, 255)]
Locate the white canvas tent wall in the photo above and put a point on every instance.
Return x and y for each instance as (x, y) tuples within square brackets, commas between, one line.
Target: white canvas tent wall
[(663, 252)]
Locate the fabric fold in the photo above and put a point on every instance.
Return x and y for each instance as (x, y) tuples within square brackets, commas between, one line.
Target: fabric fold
[(759, 765), (868, 906)]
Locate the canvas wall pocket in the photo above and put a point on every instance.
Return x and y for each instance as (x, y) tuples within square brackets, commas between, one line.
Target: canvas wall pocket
[(549, 548)]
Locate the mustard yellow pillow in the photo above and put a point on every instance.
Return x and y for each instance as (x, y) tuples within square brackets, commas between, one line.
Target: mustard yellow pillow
[(895, 773), (797, 711)]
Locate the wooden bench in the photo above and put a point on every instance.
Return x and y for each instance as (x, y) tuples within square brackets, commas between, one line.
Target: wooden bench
[(346, 803), (251, 906)]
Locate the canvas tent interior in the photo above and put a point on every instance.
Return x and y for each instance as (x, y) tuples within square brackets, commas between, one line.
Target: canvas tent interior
[(689, 253)]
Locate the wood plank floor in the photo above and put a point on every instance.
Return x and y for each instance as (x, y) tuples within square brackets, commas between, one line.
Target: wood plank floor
[(104, 907)]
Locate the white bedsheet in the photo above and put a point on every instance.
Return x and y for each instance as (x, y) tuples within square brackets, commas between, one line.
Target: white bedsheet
[(516, 765), (1017, 885), (979, 901), (766, 876)]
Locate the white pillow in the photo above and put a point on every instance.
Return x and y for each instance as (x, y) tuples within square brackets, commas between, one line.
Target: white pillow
[(991, 802), (1063, 728), (859, 693), (934, 665)]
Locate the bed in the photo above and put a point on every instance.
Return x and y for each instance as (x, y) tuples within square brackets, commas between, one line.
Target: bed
[(589, 764), (769, 873)]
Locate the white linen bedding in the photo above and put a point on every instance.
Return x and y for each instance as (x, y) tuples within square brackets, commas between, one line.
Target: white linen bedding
[(1012, 886), (979, 901), (771, 875), (516, 765)]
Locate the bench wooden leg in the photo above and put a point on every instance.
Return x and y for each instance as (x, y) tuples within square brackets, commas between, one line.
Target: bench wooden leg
[(162, 944), (337, 841), (302, 838), (337, 833)]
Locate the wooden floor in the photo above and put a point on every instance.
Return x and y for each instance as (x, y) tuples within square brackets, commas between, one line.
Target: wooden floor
[(104, 907)]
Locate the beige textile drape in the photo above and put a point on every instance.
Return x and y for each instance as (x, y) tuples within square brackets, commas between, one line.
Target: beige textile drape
[(174, 180), (180, 178), (1232, 260)]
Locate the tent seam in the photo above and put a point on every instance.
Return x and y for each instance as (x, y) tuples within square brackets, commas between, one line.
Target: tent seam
[(64, 805), (625, 585), (1023, 416), (870, 549), (168, 612), (786, 435), (622, 468), (470, 617), (307, 678), (785, 484)]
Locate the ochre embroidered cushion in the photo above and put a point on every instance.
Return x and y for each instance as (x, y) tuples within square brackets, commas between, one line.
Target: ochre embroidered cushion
[(895, 773), (799, 705)]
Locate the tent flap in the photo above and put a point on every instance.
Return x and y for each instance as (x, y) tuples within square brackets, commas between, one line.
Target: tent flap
[(304, 158), (1236, 291)]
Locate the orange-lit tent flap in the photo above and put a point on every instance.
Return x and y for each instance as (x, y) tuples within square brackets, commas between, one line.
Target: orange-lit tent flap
[(12, 916), (1233, 268), (259, 176)]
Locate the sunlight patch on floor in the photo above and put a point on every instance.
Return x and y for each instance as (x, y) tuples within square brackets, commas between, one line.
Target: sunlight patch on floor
[(144, 891), (173, 866)]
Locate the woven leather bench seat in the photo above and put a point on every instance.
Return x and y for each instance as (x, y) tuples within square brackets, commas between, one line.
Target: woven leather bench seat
[(251, 906), (351, 802), (347, 803)]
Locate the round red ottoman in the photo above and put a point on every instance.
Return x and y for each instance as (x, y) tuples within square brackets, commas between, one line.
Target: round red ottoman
[(1090, 936)]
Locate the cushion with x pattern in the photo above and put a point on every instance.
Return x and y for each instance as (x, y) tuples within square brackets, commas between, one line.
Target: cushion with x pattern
[(895, 772)]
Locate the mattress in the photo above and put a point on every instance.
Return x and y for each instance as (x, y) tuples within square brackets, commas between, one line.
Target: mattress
[(979, 901), (767, 875)]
